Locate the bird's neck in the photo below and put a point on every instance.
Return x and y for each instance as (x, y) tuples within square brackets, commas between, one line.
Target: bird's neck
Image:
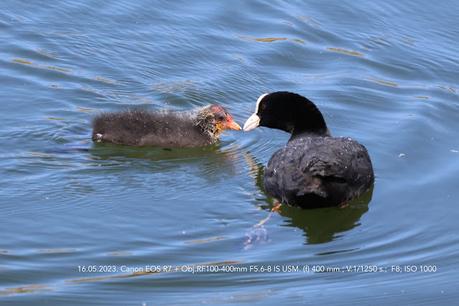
[(309, 133), (298, 117), (306, 125), (205, 122)]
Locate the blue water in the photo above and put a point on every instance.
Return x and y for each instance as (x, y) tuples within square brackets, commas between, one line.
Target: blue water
[(80, 223)]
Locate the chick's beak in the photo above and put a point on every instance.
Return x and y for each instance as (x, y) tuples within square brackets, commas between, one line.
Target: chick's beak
[(251, 123), (232, 125)]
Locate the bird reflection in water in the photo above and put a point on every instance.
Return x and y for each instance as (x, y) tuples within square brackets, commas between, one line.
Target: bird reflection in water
[(211, 161)]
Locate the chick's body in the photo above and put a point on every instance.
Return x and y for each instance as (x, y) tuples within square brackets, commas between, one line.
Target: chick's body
[(163, 128)]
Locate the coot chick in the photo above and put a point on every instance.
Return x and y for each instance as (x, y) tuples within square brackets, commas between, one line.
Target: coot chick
[(314, 169), (137, 127)]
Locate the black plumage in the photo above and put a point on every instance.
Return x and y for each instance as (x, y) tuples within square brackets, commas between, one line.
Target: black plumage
[(313, 169), (139, 127)]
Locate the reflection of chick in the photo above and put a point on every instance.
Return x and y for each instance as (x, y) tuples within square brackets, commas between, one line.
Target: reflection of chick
[(164, 128)]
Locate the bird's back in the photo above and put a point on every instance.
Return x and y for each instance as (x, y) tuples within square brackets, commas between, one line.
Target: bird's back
[(142, 127), (317, 171)]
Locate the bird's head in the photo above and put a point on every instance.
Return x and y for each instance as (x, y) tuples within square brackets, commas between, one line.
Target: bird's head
[(287, 111), (214, 119)]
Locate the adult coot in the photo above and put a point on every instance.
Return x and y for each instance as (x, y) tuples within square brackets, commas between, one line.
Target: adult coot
[(313, 169), (164, 128)]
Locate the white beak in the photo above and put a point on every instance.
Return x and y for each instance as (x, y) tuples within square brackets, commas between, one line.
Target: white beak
[(251, 123)]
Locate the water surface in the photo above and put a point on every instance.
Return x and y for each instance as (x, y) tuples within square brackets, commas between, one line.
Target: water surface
[(383, 73)]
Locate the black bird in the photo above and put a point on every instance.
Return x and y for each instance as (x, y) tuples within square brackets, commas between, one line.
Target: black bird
[(137, 127), (314, 169)]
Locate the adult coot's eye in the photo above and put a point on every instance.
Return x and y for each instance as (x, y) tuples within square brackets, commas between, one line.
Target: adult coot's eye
[(261, 107)]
